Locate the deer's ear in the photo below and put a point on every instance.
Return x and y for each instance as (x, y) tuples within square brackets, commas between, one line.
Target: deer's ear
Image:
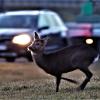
[(36, 35)]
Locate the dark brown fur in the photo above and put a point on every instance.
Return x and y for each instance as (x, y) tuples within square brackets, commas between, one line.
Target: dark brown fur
[(64, 60)]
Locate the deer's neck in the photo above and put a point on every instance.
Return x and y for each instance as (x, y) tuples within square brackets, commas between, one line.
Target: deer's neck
[(44, 61), (40, 60)]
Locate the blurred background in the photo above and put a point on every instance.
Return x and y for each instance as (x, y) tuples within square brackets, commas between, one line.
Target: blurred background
[(68, 9), (73, 22), (65, 22)]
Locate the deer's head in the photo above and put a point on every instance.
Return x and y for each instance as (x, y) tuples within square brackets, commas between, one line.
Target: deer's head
[(38, 44)]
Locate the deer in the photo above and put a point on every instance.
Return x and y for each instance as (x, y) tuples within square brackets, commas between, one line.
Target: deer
[(64, 60)]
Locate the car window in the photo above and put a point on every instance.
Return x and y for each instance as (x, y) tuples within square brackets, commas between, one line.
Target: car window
[(43, 21), (53, 20), (18, 21), (50, 20)]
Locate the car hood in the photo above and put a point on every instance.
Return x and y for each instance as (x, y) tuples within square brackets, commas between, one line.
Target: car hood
[(12, 31)]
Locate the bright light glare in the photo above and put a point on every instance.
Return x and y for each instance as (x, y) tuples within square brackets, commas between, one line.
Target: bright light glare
[(22, 39), (89, 41)]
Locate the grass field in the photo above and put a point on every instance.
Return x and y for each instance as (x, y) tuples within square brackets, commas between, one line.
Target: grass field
[(25, 81)]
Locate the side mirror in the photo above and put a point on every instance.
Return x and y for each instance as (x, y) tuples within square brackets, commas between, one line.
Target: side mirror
[(43, 28)]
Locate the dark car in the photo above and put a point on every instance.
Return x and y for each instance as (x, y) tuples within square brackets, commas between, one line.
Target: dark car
[(79, 33), (17, 31), (85, 30), (94, 22)]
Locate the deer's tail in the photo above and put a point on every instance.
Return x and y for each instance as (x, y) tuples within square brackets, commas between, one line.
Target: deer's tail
[(96, 58)]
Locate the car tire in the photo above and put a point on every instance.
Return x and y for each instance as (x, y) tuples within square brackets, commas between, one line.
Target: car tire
[(10, 59)]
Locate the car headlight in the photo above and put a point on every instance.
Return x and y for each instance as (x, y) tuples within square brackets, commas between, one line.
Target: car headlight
[(23, 39), (89, 41)]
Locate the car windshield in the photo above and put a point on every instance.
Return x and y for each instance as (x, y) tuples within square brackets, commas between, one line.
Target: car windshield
[(18, 21)]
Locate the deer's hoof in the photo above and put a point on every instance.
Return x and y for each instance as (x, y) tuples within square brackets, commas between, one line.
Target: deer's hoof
[(79, 89)]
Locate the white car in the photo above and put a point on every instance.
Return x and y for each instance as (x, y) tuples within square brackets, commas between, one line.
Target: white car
[(17, 31)]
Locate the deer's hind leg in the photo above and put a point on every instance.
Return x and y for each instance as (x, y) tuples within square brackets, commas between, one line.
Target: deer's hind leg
[(70, 80), (87, 79)]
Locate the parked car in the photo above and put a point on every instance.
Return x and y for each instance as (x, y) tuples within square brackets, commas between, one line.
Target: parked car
[(79, 33), (96, 35), (86, 30), (17, 31)]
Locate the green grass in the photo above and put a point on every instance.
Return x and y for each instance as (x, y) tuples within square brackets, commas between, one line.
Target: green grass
[(44, 89)]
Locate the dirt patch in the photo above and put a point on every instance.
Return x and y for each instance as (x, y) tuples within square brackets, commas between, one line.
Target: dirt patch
[(25, 71), (20, 71)]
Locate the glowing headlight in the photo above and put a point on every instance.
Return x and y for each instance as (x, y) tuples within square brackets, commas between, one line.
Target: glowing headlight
[(89, 41), (22, 39)]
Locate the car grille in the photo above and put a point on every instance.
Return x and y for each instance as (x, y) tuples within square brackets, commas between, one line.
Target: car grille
[(4, 38)]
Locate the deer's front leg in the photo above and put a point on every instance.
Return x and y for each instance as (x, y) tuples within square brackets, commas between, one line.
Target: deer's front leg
[(58, 79)]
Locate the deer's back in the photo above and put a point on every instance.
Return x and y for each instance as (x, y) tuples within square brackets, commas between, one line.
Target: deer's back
[(66, 53), (71, 55), (68, 58)]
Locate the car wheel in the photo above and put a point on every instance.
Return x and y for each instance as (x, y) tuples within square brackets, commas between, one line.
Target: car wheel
[(10, 59)]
